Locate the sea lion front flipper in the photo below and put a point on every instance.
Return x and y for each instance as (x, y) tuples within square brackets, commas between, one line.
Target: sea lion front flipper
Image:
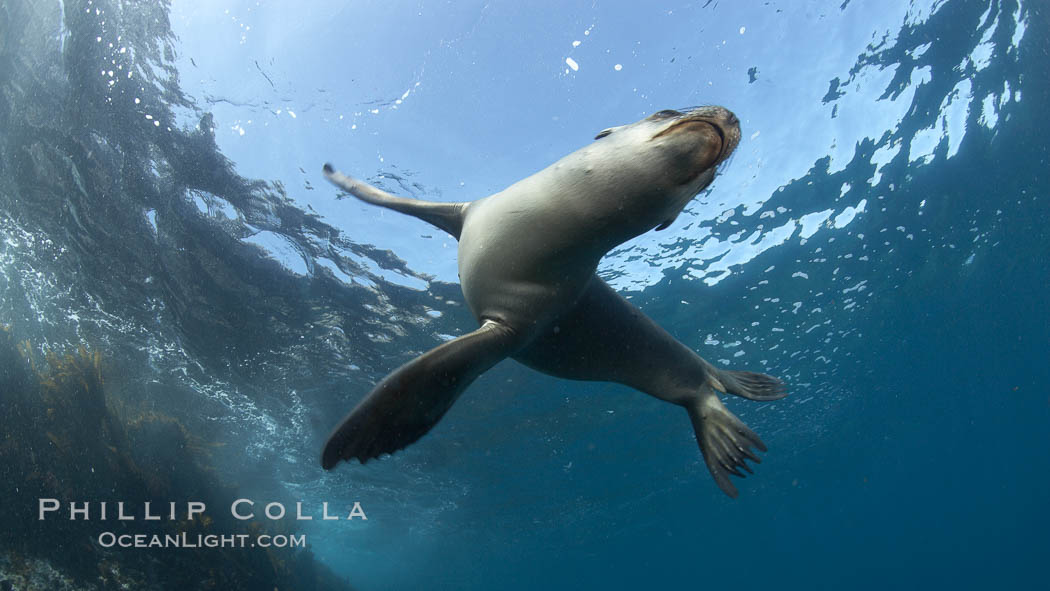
[(725, 441), (412, 399), (447, 216)]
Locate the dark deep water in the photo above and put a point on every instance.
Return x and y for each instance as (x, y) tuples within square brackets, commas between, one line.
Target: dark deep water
[(909, 320)]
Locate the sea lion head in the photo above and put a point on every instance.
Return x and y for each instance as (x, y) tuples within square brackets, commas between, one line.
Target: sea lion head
[(681, 148)]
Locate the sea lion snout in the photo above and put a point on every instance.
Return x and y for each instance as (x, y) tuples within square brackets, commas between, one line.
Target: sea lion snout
[(728, 125), (693, 143), (713, 112), (723, 121)]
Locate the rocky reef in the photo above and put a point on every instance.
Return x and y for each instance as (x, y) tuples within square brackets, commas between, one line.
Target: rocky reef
[(64, 437)]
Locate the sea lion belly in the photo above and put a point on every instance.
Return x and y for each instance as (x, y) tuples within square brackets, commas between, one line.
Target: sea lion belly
[(521, 259)]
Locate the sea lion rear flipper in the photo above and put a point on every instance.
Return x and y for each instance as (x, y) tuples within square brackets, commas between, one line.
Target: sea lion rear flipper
[(412, 399), (725, 441), (752, 385), (447, 216)]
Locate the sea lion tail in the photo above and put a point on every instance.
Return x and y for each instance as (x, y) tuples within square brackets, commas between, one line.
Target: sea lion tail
[(447, 216), (725, 441), (411, 400)]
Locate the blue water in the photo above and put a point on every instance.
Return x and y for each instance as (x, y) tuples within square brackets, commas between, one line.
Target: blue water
[(879, 241)]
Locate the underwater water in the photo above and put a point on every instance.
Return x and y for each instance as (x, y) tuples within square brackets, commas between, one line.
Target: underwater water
[(878, 240)]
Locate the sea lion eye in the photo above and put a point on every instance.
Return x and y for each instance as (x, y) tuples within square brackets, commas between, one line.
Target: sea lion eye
[(603, 133), (665, 114)]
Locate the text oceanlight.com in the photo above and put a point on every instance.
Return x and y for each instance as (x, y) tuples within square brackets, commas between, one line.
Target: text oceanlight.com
[(184, 540)]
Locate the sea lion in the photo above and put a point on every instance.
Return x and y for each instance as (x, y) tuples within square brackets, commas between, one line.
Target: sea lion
[(527, 262)]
